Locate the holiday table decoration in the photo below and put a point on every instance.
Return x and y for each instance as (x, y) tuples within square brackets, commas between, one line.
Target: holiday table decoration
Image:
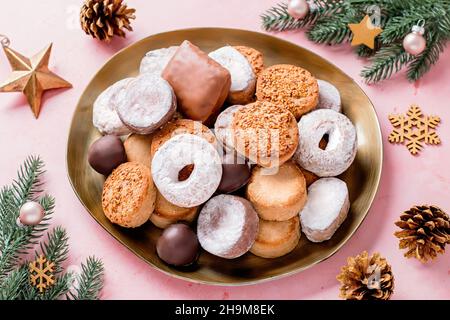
[(364, 32), (44, 277), (31, 76), (31, 213), (414, 129), (104, 19), (425, 232), (42, 273), (366, 278), (415, 32)]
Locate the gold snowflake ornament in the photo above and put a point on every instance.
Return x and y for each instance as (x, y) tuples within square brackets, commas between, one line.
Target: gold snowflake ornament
[(41, 273), (414, 129)]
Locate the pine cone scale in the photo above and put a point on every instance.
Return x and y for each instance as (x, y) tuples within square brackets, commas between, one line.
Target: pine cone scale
[(105, 19), (425, 232), (366, 278)]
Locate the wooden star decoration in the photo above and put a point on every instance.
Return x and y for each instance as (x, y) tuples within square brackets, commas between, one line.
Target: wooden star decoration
[(364, 32), (32, 77)]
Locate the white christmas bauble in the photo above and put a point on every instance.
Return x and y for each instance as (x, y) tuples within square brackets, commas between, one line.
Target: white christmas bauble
[(298, 9), (31, 213), (414, 42)]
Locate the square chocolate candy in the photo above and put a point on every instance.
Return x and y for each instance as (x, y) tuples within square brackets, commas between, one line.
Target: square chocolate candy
[(200, 83)]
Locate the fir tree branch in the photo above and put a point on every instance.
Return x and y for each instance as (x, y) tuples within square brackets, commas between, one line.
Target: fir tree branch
[(332, 30), (399, 26), (90, 281), (422, 64), (328, 23), (385, 62), (12, 285), (16, 240), (28, 184), (56, 248), (59, 289), (277, 18)]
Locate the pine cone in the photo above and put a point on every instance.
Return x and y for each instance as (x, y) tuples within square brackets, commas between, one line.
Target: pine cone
[(366, 278), (426, 231), (102, 19)]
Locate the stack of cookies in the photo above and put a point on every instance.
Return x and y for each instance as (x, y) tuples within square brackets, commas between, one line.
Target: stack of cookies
[(223, 153)]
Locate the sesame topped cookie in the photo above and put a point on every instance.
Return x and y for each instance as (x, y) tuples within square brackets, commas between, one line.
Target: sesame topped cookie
[(265, 133), (289, 86)]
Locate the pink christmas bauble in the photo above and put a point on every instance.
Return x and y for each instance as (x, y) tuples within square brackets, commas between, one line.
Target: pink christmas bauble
[(298, 9), (31, 213), (414, 43)]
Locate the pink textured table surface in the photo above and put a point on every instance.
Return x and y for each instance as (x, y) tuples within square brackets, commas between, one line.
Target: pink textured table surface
[(406, 180)]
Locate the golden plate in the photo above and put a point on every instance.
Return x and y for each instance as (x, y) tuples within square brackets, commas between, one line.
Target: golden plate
[(362, 178)]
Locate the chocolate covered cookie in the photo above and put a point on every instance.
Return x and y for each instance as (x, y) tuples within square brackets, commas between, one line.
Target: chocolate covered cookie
[(200, 83)]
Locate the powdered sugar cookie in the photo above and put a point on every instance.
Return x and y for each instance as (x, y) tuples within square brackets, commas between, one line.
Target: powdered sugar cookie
[(180, 126), (325, 210), (149, 103), (155, 61), (243, 79), (104, 114), (175, 154), (227, 226), (341, 147), (329, 97), (253, 56), (223, 126)]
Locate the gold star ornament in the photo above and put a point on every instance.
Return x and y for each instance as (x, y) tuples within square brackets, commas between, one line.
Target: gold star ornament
[(364, 32), (31, 76)]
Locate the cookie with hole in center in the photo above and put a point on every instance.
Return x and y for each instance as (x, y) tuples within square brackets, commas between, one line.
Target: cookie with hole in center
[(291, 87), (180, 126)]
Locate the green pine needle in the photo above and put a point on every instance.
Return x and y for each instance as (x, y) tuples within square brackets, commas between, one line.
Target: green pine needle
[(58, 290), (420, 65), (17, 240), (328, 21), (90, 281), (12, 284), (56, 248), (385, 62)]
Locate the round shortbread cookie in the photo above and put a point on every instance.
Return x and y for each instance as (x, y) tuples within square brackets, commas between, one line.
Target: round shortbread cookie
[(290, 195), (276, 238), (129, 195)]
